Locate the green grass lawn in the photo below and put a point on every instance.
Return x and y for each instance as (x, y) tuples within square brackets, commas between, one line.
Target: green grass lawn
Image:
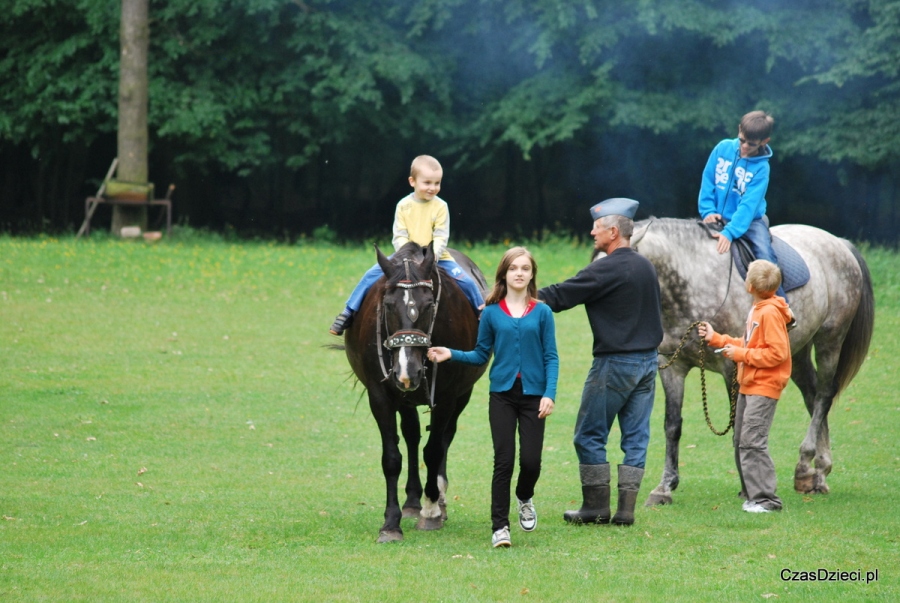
[(172, 428)]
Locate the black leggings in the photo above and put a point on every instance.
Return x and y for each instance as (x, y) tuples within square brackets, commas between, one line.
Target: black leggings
[(506, 411)]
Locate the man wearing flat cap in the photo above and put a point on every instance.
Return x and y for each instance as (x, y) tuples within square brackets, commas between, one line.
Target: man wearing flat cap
[(620, 293)]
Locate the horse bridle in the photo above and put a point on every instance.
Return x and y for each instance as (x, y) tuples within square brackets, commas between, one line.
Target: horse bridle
[(414, 338)]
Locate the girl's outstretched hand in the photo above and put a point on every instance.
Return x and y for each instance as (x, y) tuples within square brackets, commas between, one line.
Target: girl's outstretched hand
[(439, 354)]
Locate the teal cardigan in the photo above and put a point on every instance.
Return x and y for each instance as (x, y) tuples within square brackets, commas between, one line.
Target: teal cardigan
[(524, 345)]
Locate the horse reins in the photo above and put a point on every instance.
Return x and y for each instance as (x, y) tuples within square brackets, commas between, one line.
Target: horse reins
[(730, 271), (732, 397), (410, 337)]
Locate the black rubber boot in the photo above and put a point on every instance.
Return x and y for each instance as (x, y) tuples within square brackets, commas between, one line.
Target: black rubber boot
[(595, 490), (629, 485)]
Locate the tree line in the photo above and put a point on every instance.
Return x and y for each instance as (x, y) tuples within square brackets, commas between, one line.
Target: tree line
[(287, 117)]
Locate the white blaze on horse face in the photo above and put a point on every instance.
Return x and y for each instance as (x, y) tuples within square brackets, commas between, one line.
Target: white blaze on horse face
[(403, 356), (403, 364)]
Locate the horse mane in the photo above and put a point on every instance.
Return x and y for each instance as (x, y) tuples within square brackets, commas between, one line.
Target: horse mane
[(676, 230), (681, 230)]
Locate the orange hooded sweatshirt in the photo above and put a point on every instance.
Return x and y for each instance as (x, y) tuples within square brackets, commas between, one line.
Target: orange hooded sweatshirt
[(764, 354)]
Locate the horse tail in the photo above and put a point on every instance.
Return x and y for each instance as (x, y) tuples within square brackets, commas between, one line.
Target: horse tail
[(856, 344)]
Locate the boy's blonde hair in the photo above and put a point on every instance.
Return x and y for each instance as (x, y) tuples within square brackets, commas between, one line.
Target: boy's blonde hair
[(421, 162), (764, 277), (757, 125)]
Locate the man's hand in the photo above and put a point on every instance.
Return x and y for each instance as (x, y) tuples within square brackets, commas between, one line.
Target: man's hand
[(712, 218)]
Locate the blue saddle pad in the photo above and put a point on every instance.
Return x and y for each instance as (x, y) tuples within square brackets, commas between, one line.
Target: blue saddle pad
[(794, 271)]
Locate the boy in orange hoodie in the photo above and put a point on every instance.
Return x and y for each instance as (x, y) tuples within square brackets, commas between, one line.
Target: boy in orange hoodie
[(763, 360)]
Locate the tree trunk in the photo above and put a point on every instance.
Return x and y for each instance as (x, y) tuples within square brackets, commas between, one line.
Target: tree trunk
[(134, 37)]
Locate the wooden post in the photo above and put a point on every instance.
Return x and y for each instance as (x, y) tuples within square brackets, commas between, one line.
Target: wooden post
[(100, 191)]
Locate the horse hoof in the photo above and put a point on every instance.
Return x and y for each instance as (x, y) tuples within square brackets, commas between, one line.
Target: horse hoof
[(804, 485), (658, 499), (411, 512), (430, 523), (443, 511), (820, 487), (389, 536)]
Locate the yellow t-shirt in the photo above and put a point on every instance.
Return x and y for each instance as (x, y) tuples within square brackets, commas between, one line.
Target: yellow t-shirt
[(422, 222)]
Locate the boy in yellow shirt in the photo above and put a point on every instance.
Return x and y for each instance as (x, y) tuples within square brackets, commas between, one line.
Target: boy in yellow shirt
[(421, 217)]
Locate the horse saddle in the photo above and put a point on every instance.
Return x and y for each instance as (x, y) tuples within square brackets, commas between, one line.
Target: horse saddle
[(794, 271)]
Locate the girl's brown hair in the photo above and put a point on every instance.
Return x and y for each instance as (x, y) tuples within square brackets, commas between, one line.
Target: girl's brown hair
[(500, 289)]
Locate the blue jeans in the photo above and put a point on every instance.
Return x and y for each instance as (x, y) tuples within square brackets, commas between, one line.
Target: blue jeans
[(760, 240), (623, 386), (473, 293)]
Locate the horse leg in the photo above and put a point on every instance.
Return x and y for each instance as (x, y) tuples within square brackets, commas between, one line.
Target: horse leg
[(803, 374), (673, 385), (409, 427), (449, 434), (391, 464), (434, 455), (823, 456), (816, 446)]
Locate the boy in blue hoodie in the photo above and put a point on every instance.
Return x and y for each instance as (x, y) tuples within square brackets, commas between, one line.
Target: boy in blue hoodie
[(733, 189)]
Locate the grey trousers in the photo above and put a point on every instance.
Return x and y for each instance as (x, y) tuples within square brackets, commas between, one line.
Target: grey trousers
[(752, 422)]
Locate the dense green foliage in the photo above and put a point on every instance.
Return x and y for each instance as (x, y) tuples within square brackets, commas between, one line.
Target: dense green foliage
[(278, 114), (172, 429)]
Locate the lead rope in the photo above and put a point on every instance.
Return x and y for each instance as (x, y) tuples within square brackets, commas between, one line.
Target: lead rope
[(732, 398)]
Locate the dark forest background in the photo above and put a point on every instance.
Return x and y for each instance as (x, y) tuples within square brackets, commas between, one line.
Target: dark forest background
[(279, 117)]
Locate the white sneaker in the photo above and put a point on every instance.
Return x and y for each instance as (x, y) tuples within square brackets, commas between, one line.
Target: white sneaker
[(527, 515), (753, 507), (501, 538)]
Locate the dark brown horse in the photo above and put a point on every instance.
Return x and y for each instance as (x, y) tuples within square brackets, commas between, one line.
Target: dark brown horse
[(414, 304)]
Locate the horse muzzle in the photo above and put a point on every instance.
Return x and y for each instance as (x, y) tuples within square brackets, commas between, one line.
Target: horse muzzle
[(409, 363), (409, 368)]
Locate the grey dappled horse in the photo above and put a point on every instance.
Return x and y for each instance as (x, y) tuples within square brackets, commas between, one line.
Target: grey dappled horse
[(835, 314), (414, 304)]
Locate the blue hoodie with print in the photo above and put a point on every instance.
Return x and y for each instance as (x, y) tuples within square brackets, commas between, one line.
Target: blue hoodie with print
[(734, 186)]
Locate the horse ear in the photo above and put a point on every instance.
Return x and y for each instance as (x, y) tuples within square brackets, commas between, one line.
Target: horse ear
[(383, 261), (639, 233), (428, 262)]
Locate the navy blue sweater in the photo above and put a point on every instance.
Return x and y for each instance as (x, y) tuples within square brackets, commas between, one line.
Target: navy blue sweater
[(621, 296)]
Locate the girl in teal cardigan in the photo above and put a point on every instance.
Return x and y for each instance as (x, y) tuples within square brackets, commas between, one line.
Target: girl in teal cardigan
[(520, 332)]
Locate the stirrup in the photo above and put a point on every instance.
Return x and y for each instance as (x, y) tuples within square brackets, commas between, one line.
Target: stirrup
[(341, 322)]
